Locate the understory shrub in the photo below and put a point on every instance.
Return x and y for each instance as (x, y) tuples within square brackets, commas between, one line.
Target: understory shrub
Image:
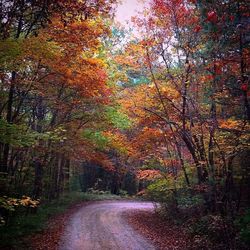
[(213, 230), (243, 224), (208, 230)]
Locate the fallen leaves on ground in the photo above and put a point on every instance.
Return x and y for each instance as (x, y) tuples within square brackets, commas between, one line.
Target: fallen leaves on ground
[(164, 234), (49, 239)]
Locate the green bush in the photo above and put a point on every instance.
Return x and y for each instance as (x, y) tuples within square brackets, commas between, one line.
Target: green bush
[(160, 191), (213, 230), (123, 193), (187, 201), (98, 192), (243, 224)]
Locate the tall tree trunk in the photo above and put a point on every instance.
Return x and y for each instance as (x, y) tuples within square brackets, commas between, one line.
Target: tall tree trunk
[(6, 147), (38, 161)]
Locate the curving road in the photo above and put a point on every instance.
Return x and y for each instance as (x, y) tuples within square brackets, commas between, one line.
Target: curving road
[(101, 226)]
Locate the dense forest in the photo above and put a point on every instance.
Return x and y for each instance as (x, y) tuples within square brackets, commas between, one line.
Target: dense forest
[(159, 111)]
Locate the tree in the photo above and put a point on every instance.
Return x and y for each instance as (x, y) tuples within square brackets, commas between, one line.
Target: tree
[(52, 84)]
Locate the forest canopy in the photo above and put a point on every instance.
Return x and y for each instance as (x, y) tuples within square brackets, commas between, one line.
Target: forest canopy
[(163, 111)]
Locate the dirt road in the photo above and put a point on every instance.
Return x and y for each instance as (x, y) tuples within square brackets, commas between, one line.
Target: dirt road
[(101, 226)]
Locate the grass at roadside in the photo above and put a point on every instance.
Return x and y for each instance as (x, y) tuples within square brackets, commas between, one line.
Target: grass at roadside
[(20, 225)]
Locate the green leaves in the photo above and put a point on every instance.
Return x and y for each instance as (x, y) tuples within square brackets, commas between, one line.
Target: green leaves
[(21, 136), (16, 135), (10, 50), (243, 223), (97, 138), (17, 54), (117, 118)]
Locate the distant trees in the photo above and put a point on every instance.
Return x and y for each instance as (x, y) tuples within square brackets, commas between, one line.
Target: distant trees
[(94, 178)]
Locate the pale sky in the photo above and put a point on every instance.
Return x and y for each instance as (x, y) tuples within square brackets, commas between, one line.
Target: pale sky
[(127, 9)]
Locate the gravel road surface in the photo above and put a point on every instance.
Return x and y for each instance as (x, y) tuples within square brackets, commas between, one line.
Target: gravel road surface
[(102, 226)]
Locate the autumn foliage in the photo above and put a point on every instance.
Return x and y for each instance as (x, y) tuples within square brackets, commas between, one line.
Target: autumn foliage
[(54, 85), (191, 111), (163, 111)]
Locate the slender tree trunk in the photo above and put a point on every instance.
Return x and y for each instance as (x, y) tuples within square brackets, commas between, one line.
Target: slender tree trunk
[(38, 161), (6, 147)]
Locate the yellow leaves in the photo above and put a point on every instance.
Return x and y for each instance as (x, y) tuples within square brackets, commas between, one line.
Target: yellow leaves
[(136, 49), (26, 201), (170, 92), (39, 48), (9, 203), (12, 202), (10, 52), (233, 135), (132, 58), (29, 51), (165, 89), (134, 100)]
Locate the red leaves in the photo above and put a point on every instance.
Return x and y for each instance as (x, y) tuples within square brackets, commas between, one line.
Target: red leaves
[(212, 16), (197, 29), (231, 18), (244, 87), (218, 68)]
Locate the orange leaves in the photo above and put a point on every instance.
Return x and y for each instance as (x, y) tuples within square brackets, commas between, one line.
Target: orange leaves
[(148, 133), (149, 174), (132, 58), (134, 100), (206, 78), (231, 124), (119, 142), (89, 80), (169, 92), (74, 76), (127, 61), (147, 140), (76, 63), (77, 37)]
